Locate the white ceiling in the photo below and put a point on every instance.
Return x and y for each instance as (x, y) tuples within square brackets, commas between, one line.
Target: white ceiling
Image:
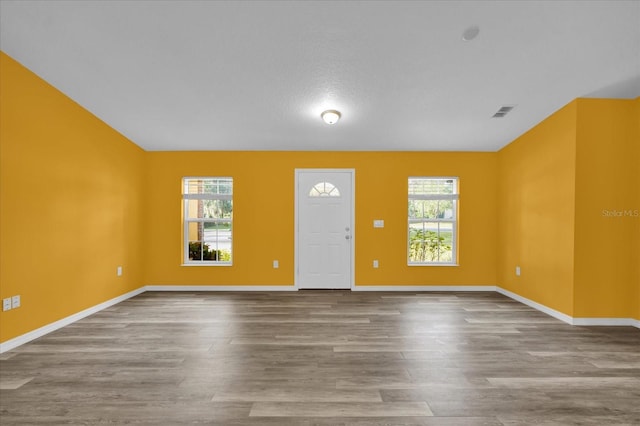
[(204, 75)]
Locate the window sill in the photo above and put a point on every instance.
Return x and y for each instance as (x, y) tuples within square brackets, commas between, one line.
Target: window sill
[(208, 264), (433, 264)]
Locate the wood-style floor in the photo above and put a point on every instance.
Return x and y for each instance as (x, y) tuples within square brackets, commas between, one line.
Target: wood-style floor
[(324, 358)]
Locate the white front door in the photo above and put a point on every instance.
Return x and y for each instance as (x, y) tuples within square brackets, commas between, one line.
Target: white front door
[(324, 234)]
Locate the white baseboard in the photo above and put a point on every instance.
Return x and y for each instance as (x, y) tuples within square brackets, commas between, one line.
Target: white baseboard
[(294, 288), (537, 306), (221, 288), (424, 288), (616, 322), (39, 332), (569, 319)]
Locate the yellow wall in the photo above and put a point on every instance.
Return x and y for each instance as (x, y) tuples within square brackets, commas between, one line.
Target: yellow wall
[(264, 215), (536, 193), (71, 205), (560, 188), (607, 208)]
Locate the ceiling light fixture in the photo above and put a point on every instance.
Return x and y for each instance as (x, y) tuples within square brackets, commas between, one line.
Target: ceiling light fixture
[(470, 33), (331, 116)]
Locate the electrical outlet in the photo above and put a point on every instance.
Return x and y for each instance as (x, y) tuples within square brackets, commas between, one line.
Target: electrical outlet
[(6, 304), (15, 302), (517, 271), (375, 263), (119, 271), (276, 264)]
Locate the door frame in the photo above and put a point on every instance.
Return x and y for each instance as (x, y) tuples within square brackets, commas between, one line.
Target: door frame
[(352, 218)]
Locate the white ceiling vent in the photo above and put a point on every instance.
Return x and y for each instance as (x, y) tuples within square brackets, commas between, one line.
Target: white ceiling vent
[(504, 110)]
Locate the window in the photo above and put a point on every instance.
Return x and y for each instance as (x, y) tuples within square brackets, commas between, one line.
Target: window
[(432, 224), (324, 189), (208, 218)]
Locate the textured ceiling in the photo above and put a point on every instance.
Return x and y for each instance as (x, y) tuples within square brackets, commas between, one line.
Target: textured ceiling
[(198, 75)]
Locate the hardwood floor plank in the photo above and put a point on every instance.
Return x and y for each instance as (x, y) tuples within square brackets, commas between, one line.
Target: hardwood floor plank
[(299, 395), (340, 409), (570, 419), (7, 383), (606, 363), (566, 382)]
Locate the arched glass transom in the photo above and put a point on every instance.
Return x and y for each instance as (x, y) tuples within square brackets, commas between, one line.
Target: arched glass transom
[(324, 189)]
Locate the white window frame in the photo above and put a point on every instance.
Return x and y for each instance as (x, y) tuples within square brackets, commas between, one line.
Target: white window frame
[(454, 220), (186, 220)]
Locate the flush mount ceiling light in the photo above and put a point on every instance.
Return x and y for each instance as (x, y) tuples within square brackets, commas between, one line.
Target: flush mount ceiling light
[(330, 116), (470, 33)]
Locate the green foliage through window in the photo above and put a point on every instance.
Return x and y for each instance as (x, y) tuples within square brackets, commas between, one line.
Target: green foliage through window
[(200, 251), (428, 246)]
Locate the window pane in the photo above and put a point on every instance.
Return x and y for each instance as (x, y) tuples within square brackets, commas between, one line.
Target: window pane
[(419, 209), (424, 242), (446, 232), (217, 209), (194, 209), (209, 209), (219, 186), (422, 186), (214, 243), (324, 189), (208, 186), (445, 241), (195, 231), (218, 237), (196, 250), (446, 209)]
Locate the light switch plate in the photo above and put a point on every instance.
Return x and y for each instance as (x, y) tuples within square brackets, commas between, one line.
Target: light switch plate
[(6, 304), (15, 302), (378, 223)]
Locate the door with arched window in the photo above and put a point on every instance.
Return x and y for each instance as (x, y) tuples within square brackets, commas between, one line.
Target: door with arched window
[(324, 228)]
